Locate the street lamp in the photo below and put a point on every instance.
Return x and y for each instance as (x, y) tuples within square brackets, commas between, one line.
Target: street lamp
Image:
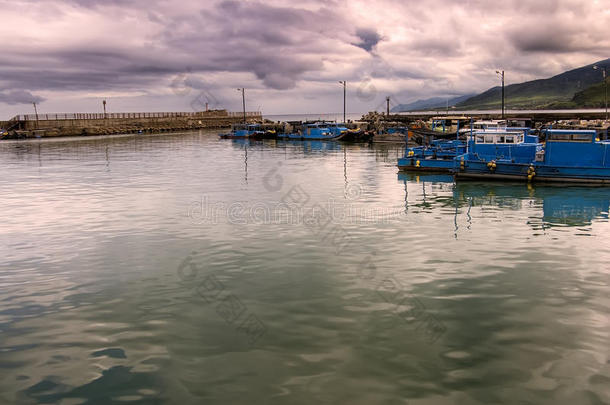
[(501, 73), (243, 101), (35, 112), (344, 83), (603, 69)]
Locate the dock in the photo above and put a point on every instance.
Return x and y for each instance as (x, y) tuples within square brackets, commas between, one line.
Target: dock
[(529, 117), (75, 124)]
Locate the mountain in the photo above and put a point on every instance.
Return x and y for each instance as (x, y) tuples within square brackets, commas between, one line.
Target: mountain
[(555, 92), (430, 104), (591, 97)]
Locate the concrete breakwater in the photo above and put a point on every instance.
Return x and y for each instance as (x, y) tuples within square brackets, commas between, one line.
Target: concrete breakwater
[(74, 124)]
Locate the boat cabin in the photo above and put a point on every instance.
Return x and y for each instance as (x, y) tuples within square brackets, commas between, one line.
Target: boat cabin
[(489, 125), (336, 128), (448, 123), (576, 148), (514, 146), (499, 137), (316, 129)]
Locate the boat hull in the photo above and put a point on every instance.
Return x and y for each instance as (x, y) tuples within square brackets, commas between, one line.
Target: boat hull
[(416, 164), (543, 173)]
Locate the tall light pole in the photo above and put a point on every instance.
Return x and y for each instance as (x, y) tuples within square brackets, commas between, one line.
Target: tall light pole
[(501, 73), (344, 83), (104, 104), (35, 112), (243, 101), (603, 69)]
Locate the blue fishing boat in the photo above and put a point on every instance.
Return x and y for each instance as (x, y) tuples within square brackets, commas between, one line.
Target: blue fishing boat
[(438, 156), (569, 156), (245, 131), (311, 131), (324, 131), (486, 144)]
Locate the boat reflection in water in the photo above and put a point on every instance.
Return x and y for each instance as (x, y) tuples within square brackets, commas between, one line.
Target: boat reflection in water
[(305, 146), (559, 206)]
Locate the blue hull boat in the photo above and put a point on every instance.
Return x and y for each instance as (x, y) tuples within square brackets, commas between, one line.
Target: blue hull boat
[(244, 131), (324, 131), (438, 156), (485, 144), (569, 156)]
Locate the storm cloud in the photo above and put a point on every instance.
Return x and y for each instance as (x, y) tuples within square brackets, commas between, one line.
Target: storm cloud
[(19, 97), (289, 57), (368, 38)]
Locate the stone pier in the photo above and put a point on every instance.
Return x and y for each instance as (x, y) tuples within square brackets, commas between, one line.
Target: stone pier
[(73, 124)]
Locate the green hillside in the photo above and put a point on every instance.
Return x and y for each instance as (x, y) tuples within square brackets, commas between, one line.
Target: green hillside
[(591, 97), (556, 92)]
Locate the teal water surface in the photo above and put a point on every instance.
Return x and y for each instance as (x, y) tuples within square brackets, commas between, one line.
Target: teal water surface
[(180, 268)]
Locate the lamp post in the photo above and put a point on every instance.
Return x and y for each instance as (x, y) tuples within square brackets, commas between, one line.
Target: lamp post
[(35, 112), (344, 83), (501, 73), (243, 101), (104, 104), (603, 69)]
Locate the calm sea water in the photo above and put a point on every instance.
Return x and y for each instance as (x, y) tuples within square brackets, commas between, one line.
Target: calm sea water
[(180, 268)]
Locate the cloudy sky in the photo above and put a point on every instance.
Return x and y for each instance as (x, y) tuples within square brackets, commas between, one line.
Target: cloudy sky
[(156, 55)]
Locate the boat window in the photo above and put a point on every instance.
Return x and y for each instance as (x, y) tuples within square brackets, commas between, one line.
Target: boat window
[(560, 137), (489, 139), (510, 139), (582, 137), (480, 139), (501, 139)]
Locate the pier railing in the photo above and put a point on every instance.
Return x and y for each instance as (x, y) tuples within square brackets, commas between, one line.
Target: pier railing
[(100, 116)]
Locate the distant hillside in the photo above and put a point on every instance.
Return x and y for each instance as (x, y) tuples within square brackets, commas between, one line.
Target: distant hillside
[(591, 97), (555, 92), (430, 104)]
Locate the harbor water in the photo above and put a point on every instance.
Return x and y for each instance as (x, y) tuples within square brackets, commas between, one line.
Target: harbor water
[(181, 268)]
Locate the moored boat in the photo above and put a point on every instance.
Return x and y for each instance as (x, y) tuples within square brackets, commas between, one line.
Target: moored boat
[(568, 156), (245, 131), (326, 131), (487, 145), (438, 156)]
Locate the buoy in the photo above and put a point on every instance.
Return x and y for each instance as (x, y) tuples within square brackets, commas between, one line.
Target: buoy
[(417, 164)]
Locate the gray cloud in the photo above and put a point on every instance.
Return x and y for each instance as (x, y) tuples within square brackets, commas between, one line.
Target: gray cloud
[(419, 49), (19, 97), (369, 38)]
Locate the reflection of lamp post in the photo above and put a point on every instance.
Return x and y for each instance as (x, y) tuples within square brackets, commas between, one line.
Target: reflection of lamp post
[(344, 83), (603, 69), (501, 73)]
